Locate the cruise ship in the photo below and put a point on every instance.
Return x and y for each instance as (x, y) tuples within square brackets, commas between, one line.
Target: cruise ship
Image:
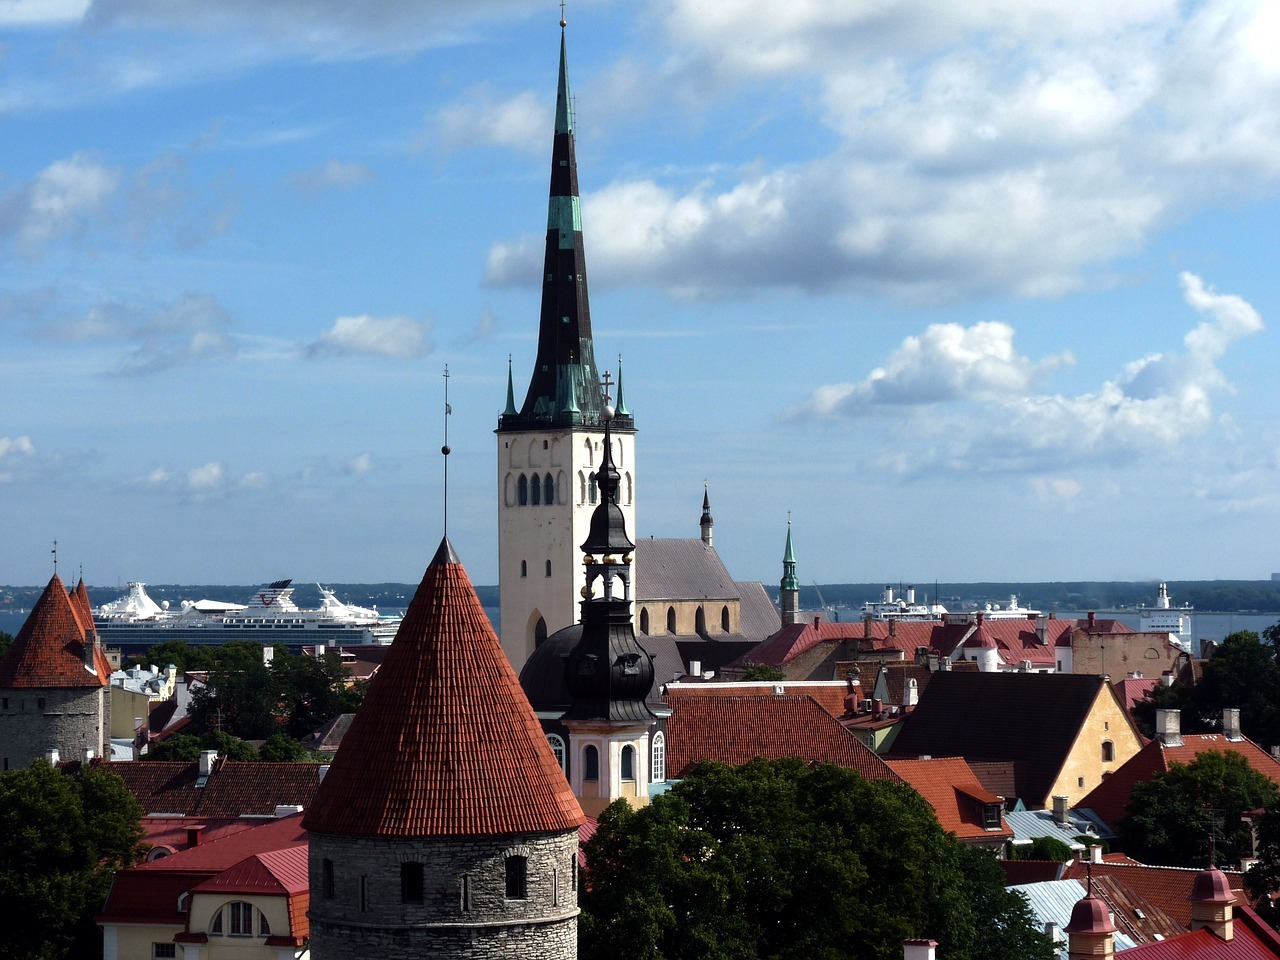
[(270, 617), (1164, 617)]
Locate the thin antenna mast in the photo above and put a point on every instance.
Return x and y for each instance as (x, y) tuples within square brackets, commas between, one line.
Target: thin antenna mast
[(54, 551), (444, 450)]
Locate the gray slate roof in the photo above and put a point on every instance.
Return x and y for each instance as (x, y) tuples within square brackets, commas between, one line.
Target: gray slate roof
[(671, 569)]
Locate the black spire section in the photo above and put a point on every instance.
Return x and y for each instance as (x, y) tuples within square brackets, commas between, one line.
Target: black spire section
[(564, 390), (608, 674)]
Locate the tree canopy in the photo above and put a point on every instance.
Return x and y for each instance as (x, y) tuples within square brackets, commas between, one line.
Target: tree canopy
[(1172, 816), (62, 836), (775, 859)]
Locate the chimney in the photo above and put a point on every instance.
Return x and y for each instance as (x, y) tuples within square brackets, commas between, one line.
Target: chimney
[(1166, 678), (919, 949), (944, 664), (779, 690), (1053, 932), (1060, 807), (910, 693), (193, 836), (695, 668), (980, 617), (1024, 666), (817, 620), (87, 756), (1042, 630), (1095, 853), (208, 761), (1231, 723), (1093, 620), (52, 757), (866, 628), (1211, 902), (1169, 727), (893, 627)]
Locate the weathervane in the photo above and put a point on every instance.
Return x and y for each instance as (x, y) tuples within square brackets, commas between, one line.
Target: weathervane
[(54, 551), (444, 450)]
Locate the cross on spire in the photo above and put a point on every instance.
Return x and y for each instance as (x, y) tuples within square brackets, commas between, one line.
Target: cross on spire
[(607, 380)]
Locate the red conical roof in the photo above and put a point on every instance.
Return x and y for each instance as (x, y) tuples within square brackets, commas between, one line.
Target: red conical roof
[(445, 743), (49, 649), (80, 606)]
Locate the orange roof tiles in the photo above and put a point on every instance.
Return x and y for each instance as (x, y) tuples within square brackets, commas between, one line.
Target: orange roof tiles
[(1168, 888), (954, 792), (828, 694), (233, 790), (48, 651), (738, 729), (1109, 798), (446, 743)]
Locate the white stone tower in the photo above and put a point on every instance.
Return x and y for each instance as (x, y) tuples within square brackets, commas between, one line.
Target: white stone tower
[(550, 447)]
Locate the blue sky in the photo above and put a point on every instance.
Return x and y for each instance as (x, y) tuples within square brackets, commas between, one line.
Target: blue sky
[(976, 291)]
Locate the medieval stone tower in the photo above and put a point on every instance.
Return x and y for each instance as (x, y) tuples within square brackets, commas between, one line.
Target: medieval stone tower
[(550, 446), (55, 683), (445, 827)]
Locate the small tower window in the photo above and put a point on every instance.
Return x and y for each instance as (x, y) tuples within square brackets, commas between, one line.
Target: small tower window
[(522, 490), (590, 763), (671, 619), (700, 622), (535, 490), (1108, 751), (326, 878), (517, 878), (411, 884), (724, 619), (364, 893), (659, 765), (524, 568), (548, 490), (644, 622), (627, 766), (591, 488), (548, 568)]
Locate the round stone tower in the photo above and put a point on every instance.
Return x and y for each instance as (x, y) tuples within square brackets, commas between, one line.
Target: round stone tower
[(445, 827)]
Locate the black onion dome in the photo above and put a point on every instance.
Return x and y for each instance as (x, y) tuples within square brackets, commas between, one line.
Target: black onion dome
[(542, 676), (608, 674)]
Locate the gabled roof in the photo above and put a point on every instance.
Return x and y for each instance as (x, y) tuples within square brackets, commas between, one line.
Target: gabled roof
[(1168, 888), (273, 872), (445, 743), (678, 569), (1133, 690), (234, 789), (738, 729), (1109, 798), (48, 652), (828, 694), (1032, 719), (955, 795)]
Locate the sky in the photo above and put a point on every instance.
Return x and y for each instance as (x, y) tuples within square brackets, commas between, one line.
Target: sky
[(980, 291)]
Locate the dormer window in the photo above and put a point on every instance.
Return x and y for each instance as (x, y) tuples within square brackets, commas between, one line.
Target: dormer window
[(991, 816)]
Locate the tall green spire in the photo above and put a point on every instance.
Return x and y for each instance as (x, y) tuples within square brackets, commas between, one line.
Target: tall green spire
[(621, 408), (789, 581)]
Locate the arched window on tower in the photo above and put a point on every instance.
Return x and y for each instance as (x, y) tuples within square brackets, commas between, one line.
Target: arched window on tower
[(628, 486), (590, 763), (522, 491), (591, 488), (627, 764), (524, 568), (548, 490), (644, 622), (724, 619), (1108, 751), (539, 633), (557, 749), (517, 877), (535, 490), (671, 619), (658, 768), (700, 622), (582, 487), (548, 568)]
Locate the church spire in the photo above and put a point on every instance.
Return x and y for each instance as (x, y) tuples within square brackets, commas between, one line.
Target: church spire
[(706, 523), (563, 391), (789, 588)]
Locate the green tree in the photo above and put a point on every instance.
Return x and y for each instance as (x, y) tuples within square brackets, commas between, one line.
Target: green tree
[(776, 859), (187, 747), (6, 641), (282, 748), (763, 671), (1172, 816), (1044, 848), (62, 836), (181, 654)]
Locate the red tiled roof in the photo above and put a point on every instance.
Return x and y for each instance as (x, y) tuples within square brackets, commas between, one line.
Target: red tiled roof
[(217, 855), (234, 789), (48, 651), (738, 729), (952, 790), (446, 743), (1133, 691), (1252, 939), (273, 872), (829, 694), (1109, 798)]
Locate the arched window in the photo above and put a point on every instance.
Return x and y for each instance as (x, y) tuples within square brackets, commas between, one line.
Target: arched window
[(590, 763), (671, 619), (724, 619), (522, 491), (1108, 751), (539, 633), (509, 488), (658, 768), (524, 568), (535, 490), (237, 919), (517, 877), (700, 622), (557, 748), (548, 490), (564, 490), (582, 487), (548, 568), (591, 488), (627, 766), (644, 622), (411, 885), (628, 487)]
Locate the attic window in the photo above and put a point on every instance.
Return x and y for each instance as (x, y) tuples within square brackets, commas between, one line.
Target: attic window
[(991, 816)]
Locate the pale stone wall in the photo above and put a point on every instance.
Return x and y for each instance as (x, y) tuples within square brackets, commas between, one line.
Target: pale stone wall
[(1106, 723), (69, 720), (464, 912), (1119, 654), (687, 616), (535, 534)]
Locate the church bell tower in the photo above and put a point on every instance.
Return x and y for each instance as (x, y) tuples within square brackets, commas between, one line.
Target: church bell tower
[(551, 446)]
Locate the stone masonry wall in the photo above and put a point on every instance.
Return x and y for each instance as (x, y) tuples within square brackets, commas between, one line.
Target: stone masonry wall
[(32, 722), (464, 910)]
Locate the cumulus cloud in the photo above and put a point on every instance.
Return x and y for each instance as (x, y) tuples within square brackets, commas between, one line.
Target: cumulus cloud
[(521, 122), (30, 13), (1056, 490), (331, 175), (395, 337), (63, 198), (204, 482), (978, 391), (17, 458)]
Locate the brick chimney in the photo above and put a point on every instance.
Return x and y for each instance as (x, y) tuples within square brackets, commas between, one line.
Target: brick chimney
[(1231, 723), (1093, 621), (1169, 727)]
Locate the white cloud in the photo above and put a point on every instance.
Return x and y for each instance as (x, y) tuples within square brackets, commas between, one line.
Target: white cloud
[(967, 395), (522, 122), (30, 13), (396, 337), (204, 482), (1056, 490), (331, 175), (360, 465), (17, 458), (63, 198)]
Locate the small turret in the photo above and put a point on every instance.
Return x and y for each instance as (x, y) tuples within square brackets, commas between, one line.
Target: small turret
[(1211, 902), (706, 523), (789, 588), (1090, 932)]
